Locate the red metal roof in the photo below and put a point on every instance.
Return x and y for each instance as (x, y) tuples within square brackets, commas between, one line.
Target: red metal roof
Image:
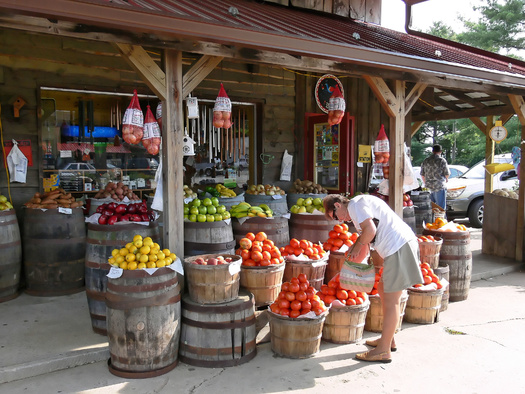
[(308, 24)]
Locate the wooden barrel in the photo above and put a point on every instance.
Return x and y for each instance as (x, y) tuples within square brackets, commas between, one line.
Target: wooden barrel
[(295, 338), (374, 316), (314, 270), (457, 254), (423, 306), (263, 282), (443, 273), (276, 203), (143, 323), (291, 198), (212, 284), (345, 324), (429, 252), (11, 252), (100, 241), (208, 237), (276, 228), (311, 227), (422, 209), (217, 336), (335, 263), (54, 246), (409, 217), (228, 202)]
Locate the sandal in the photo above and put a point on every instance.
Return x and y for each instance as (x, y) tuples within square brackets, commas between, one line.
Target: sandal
[(380, 358), (373, 343)]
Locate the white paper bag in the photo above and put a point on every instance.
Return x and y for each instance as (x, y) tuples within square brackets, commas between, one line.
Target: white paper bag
[(17, 163), (158, 200), (286, 167)]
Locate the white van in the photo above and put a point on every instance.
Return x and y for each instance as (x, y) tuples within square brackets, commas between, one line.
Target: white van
[(465, 193)]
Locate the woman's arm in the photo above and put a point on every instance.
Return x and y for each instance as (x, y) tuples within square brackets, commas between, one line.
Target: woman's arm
[(368, 232)]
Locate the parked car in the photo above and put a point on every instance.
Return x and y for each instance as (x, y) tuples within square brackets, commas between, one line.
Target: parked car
[(465, 193)]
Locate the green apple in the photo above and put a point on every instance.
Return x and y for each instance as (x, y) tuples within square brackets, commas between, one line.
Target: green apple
[(226, 215), (206, 202), (203, 210), (194, 211), (221, 209), (201, 218), (215, 201), (212, 209), (308, 201), (210, 218), (218, 217), (300, 201), (302, 210), (318, 201), (295, 208), (193, 218), (310, 208), (321, 209), (186, 217), (186, 210), (196, 202)]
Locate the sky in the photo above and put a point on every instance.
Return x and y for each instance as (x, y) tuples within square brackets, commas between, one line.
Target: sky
[(424, 14)]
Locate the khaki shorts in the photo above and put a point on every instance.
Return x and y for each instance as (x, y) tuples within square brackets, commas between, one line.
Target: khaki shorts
[(401, 269)]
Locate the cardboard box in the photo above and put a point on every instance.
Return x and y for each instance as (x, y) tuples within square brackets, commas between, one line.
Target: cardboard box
[(141, 182), (51, 183)]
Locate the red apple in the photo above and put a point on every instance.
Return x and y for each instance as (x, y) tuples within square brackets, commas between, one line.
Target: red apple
[(113, 219), (212, 261), (103, 219)]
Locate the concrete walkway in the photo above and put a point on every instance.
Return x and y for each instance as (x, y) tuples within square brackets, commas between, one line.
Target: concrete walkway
[(476, 347)]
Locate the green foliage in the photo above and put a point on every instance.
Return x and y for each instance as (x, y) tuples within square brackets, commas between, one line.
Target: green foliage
[(439, 29)]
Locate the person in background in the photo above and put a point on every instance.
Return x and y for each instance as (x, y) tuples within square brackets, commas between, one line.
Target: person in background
[(435, 173), (395, 248)]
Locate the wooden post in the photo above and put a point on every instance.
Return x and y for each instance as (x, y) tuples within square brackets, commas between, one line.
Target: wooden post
[(172, 164), (397, 153)]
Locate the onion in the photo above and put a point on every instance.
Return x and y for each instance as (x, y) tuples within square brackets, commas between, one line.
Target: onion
[(119, 191)]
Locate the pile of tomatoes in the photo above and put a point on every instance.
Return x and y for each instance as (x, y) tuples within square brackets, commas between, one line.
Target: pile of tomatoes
[(427, 238), (304, 247), (338, 237), (256, 250), (298, 298), (378, 278), (333, 291), (428, 276)]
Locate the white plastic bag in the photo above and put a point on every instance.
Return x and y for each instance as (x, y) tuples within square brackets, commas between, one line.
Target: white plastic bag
[(410, 181), (17, 163), (158, 199), (286, 167)]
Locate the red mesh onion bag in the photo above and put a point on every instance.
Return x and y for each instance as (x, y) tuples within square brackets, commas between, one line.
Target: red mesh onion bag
[(336, 107), (222, 110), (382, 147), (133, 122), (151, 139)]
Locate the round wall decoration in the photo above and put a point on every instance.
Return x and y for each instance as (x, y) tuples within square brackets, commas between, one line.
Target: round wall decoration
[(324, 89)]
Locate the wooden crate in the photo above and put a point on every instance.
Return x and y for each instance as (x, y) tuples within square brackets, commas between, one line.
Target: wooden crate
[(500, 223)]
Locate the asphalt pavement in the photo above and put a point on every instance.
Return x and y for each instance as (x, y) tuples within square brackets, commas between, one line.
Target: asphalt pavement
[(47, 346)]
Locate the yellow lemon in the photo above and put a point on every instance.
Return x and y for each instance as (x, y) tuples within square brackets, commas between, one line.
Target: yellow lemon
[(145, 249), (152, 257), (138, 243), (128, 245), (137, 237), (123, 251), (144, 258), (151, 264), (137, 256), (154, 250), (115, 252), (161, 263), (132, 265), (133, 249), (161, 256), (166, 252), (147, 241), (130, 257), (124, 265), (168, 260), (141, 266), (119, 259), (156, 245), (112, 260), (173, 256)]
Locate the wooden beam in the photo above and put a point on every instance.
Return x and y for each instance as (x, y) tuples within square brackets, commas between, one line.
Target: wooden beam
[(479, 124), (172, 156), (463, 114), (198, 72), (465, 97), (142, 63), (414, 95), (388, 100), (415, 127), (397, 139), (518, 103), (489, 154), (505, 118)]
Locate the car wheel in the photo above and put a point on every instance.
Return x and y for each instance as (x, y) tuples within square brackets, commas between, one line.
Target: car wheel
[(475, 213)]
